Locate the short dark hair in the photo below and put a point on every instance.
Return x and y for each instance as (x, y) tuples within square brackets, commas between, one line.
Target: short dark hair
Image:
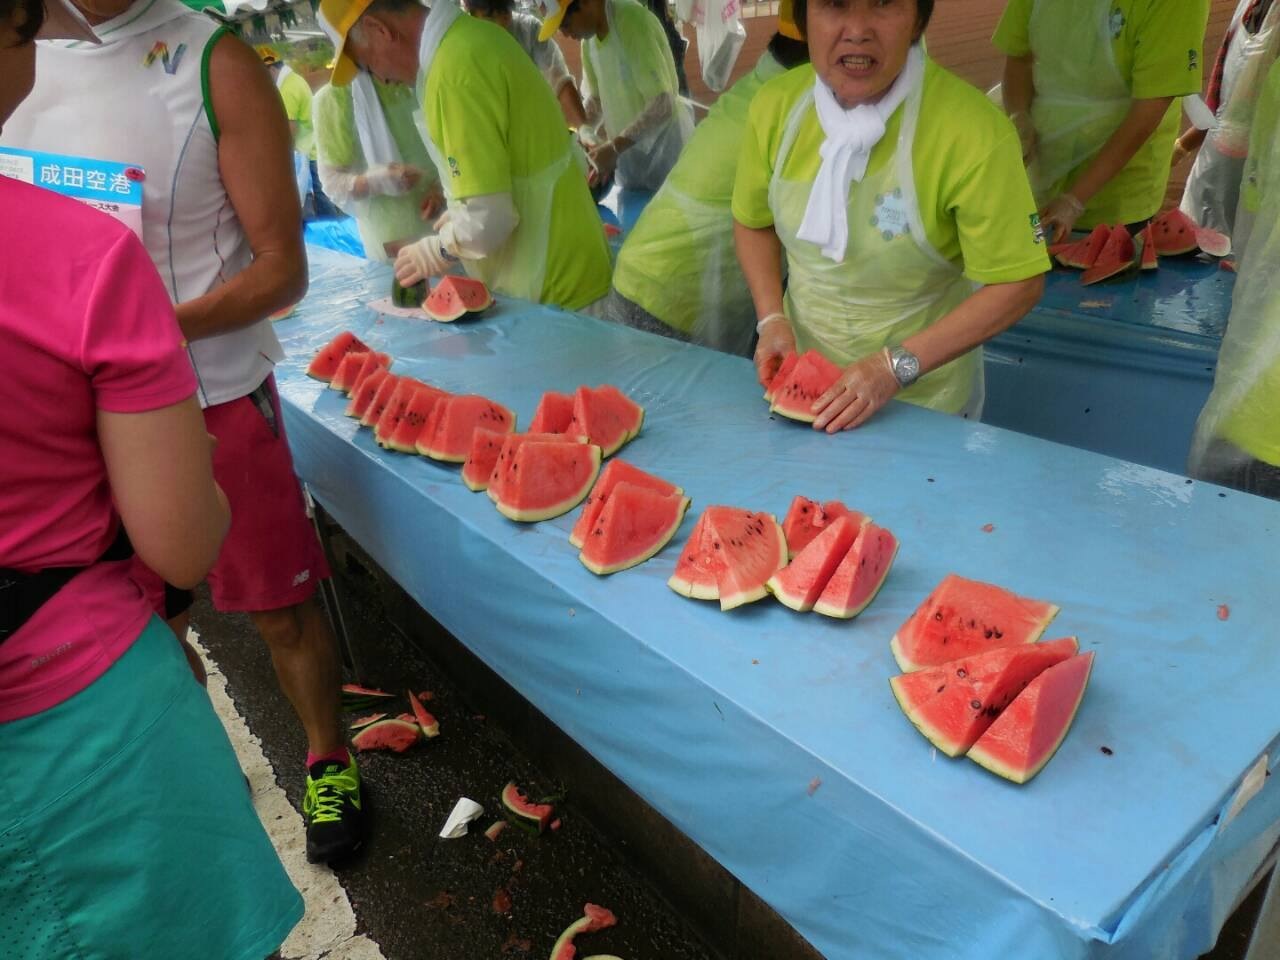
[(924, 12), (31, 14), (790, 53), (490, 8), (379, 7)]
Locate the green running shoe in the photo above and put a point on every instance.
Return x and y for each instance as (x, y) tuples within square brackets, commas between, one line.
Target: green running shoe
[(334, 811)]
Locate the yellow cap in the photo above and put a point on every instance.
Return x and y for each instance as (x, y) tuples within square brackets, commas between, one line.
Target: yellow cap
[(552, 16), (342, 15), (267, 55), (787, 21)]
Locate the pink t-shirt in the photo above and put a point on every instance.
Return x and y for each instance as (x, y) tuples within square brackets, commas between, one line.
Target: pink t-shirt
[(86, 325)]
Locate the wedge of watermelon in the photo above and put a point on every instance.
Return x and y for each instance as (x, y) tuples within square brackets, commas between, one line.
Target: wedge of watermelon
[(635, 523), (325, 363), (780, 376), (953, 704), (1116, 257), (486, 447), (701, 561), (1082, 254), (427, 723), (454, 419), (405, 435), (807, 518), (614, 473), (363, 395), (965, 617), (860, 575), (799, 584), (455, 297), (605, 419), (730, 556), (1146, 242), (626, 409), (546, 479), (395, 410), (811, 377), (554, 413), (372, 361), (1212, 242), (391, 734), (373, 413), (1175, 233), (348, 368), (1028, 733), (594, 919)]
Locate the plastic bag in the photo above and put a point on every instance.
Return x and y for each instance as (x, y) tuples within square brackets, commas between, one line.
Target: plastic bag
[(721, 37), (1235, 117)]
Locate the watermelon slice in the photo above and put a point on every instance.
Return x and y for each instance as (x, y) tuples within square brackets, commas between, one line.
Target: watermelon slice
[(361, 722), (554, 413), (386, 390), (607, 418), (739, 549), (546, 479), (396, 407), (964, 617), (799, 584), (1082, 254), (524, 810), (452, 422), (1146, 243), (807, 518), (700, 562), (954, 704), (811, 377), (454, 297), (362, 396), (486, 447), (393, 734), (860, 575), (372, 361), (414, 417), (1027, 735), (626, 409), (1175, 233), (325, 363), (429, 725), (617, 471), (780, 376), (635, 523), (594, 918), (1212, 242), (348, 368), (1116, 257)]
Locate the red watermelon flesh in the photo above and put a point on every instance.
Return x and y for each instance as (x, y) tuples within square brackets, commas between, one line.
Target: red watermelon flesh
[(860, 575), (1175, 233), (393, 734), (1212, 242), (601, 420), (964, 617), (1083, 254), (361, 722), (753, 549), (372, 361), (698, 569), (594, 919), (546, 479), (455, 296), (807, 518), (518, 804), (799, 584), (325, 363), (614, 473), (636, 522), (386, 390), (423, 400), (348, 367), (486, 447), (554, 413), (953, 704), (627, 410), (781, 374), (1028, 733), (1116, 257), (811, 377), (459, 416), (1147, 241), (362, 396), (396, 407), (427, 723)]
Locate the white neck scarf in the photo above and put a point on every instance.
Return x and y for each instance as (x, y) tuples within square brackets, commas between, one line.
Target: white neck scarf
[(850, 136), (376, 142), (439, 20)]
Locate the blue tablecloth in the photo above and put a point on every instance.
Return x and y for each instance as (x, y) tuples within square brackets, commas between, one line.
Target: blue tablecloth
[(721, 721)]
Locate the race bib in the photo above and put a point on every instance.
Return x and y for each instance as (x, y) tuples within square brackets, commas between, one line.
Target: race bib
[(113, 188)]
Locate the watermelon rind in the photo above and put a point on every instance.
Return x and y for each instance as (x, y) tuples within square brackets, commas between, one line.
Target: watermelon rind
[(830, 604), (429, 725), (697, 544), (799, 584), (594, 919), (450, 441), (1212, 242), (676, 502), (604, 419), (614, 473), (399, 401), (987, 751), (1117, 257), (1174, 233), (570, 500), (751, 592), (394, 734), (523, 809), (348, 368), (360, 723)]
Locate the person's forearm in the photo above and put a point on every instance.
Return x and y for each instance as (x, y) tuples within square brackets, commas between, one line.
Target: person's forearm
[(1143, 119), (575, 113), (989, 311), (1017, 87), (655, 113), (1192, 139), (275, 280), (760, 256)]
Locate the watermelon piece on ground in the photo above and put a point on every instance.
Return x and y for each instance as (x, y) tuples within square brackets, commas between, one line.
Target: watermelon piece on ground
[(807, 518), (811, 377), (423, 400), (698, 568), (454, 419), (953, 704), (361, 722), (963, 617), (429, 725), (554, 413), (799, 584), (393, 734), (1083, 254), (614, 473), (635, 523), (516, 802), (860, 575), (602, 420), (1146, 243), (1116, 257), (594, 918), (1174, 233), (386, 390), (754, 550), (454, 297), (780, 376), (1212, 242), (348, 369), (1028, 733), (396, 407), (545, 479), (325, 363), (372, 361)]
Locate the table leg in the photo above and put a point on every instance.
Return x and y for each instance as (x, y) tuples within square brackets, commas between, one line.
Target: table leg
[(1264, 944), (330, 592)]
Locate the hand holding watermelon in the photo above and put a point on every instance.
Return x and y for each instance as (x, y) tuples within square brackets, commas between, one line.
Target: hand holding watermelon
[(777, 340), (1059, 218), (865, 386)]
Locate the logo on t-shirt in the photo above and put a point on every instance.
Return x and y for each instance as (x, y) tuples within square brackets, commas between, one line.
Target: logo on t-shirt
[(1193, 59), (453, 167), (1037, 231), (890, 218), (160, 51)]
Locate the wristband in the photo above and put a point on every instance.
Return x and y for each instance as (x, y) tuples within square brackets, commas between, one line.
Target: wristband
[(768, 320)]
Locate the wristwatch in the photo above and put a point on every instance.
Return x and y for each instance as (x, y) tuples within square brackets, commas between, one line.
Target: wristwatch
[(905, 366)]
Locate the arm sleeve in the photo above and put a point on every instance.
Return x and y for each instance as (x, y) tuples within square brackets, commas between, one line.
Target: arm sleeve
[(470, 127), (1168, 53), (338, 155), (132, 349), (1013, 33), (479, 227), (654, 114), (755, 169), (555, 69)]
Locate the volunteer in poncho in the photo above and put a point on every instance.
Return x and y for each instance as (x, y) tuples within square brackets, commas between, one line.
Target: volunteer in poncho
[(545, 53), (1237, 438), (677, 273), (1093, 87), (1250, 47), (892, 188), (295, 94), (520, 216), (629, 81), (373, 162)]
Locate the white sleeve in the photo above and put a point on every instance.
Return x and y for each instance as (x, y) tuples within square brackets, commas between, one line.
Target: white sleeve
[(654, 114), (478, 227), (339, 184)]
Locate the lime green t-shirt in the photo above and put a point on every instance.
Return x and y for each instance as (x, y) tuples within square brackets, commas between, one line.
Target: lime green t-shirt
[(975, 201), (297, 107), (1158, 48), (636, 64), (493, 120)]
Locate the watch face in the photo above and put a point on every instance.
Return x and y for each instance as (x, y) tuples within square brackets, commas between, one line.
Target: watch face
[(907, 367)]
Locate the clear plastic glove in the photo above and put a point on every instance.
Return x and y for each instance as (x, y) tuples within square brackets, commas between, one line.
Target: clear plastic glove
[(604, 161), (392, 180), (1026, 135), (777, 339), (420, 260), (433, 203), (865, 386), (1060, 216), (589, 137)]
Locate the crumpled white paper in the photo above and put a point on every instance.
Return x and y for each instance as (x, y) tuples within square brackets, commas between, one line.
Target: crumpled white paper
[(464, 811)]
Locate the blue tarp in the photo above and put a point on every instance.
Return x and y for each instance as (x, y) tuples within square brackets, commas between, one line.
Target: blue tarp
[(722, 721)]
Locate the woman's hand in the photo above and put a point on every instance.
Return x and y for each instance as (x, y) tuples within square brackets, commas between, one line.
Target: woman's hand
[(1060, 216), (433, 203), (777, 339), (865, 386)]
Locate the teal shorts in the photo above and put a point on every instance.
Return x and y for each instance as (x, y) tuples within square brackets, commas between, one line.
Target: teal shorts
[(126, 828)]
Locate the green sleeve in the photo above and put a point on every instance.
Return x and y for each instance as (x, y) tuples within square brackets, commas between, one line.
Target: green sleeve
[(1013, 32), (755, 166), (1168, 51), (297, 99), (335, 128), (469, 125)]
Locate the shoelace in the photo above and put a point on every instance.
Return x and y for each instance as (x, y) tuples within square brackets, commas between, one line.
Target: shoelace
[(327, 794)]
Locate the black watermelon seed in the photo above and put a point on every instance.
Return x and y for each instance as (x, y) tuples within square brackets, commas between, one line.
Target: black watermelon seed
[(1107, 750)]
